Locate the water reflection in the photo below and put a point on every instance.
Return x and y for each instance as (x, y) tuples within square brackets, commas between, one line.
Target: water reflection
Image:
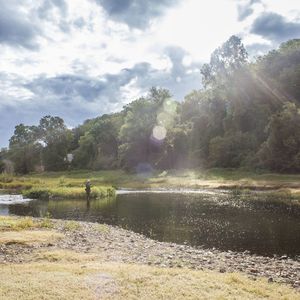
[(210, 220)]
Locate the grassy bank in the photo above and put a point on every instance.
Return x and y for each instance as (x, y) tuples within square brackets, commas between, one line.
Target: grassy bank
[(71, 184), (58, 273), (43, 187)]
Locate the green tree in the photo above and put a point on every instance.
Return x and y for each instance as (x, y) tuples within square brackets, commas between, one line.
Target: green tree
[(56, 140), (281, 151), (224, 61), (280, 71), (98, 147), (24, 148), (231, 151), (136, 134)]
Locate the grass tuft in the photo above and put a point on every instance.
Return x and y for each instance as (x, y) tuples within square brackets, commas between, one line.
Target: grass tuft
[(29, 237), (103, 228), (16, 224), (72, 226)]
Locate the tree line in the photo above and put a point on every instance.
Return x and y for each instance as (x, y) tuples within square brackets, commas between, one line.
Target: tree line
[(246, 115)]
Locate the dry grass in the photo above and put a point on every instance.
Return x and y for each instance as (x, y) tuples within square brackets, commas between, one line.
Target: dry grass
[(16, 224), (16, 230), (103, 228), (72, 226), (96, 280), (66, 274), (65, 256), (29, 236), (11, 223)]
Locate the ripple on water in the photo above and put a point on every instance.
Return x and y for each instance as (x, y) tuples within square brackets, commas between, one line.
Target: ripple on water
[(13, 199)]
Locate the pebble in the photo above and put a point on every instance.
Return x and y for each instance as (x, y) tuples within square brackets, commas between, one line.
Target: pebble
[(120, 245)]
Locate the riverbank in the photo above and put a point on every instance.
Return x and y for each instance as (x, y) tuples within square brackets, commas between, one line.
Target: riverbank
[(71, 184), (58, 187), (98, 260)]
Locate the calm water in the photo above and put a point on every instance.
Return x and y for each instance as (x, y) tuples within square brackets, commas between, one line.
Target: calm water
[(208, 219)]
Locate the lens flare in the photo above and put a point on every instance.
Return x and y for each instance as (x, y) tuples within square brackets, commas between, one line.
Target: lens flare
[(165, 119), (159, 133), (170, 106)]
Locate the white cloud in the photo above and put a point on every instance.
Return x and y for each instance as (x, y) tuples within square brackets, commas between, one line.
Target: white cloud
[(109, 58)]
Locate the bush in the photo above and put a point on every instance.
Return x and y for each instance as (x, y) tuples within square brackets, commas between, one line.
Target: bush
[(68, 192), (36, 193)]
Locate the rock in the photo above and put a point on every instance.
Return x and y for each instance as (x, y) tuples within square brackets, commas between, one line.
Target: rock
[(222, 270), (283, 257), (270, 279)]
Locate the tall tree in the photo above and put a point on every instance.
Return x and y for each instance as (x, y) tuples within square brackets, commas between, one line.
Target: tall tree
[(281, 151), (224, 61), (24, 149), (56, 139)]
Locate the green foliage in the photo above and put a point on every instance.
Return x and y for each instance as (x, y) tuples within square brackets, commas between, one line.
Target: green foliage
[(281, 151), (281, 70), (224, 61), (36, 193), (247, 115), (232, 150), (138, 144), (56, 137), (33, 148), (24, 151), (98, 146), (67, 192), (2, 166)]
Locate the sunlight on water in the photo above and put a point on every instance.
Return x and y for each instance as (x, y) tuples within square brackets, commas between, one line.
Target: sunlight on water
[(225, 220), (13, 199)]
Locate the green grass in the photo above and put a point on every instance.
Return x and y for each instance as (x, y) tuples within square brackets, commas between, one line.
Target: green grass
[(70, 184), (66, 192), (54, 185), (120, 178)]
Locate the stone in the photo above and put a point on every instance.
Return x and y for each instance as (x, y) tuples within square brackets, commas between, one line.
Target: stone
[(283, 257)]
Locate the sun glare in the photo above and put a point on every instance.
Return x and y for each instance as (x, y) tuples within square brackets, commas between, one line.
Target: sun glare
[(201, 32)]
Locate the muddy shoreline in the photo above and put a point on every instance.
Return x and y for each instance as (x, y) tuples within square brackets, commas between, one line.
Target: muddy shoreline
[(115, 244)]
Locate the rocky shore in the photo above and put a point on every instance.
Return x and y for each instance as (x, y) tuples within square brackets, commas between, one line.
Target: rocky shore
[(119, 245)]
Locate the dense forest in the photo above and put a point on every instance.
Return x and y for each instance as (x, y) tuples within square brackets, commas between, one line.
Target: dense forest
[(246, 115)]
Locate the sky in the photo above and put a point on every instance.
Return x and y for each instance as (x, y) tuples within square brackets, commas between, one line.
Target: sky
[(79, 59)]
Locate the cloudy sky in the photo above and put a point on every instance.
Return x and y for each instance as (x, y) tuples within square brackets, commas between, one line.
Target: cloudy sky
[(81, 58)]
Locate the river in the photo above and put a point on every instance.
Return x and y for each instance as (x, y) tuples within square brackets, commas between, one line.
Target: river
[(206, 218)]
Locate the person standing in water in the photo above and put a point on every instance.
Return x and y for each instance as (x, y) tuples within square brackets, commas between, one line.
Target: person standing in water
[(88, 189)]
